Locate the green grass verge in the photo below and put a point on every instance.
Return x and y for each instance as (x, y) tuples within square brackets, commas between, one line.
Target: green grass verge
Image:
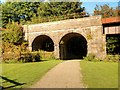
[(23, 75), (100, 74)]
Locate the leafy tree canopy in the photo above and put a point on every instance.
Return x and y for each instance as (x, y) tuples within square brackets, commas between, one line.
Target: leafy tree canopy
[(13, 34), (107, 11), (24, 11)]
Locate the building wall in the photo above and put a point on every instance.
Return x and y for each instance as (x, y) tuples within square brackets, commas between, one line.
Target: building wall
[(89, 27)]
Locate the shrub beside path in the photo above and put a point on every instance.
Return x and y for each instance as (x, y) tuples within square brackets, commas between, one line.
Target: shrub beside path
[(65, 75)]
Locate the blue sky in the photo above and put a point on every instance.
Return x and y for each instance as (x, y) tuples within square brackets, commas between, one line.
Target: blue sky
[(1, 0), (90, 4)]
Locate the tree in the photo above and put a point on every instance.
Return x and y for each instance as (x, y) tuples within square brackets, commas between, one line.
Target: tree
[(106, 11), (13, 34), (59, 8), (18, 11), (23, 12)]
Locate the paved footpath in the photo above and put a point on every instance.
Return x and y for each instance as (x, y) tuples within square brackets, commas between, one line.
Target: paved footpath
[(65, 75)]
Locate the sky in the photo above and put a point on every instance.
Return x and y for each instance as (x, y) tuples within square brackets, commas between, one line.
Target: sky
[(90, 4)]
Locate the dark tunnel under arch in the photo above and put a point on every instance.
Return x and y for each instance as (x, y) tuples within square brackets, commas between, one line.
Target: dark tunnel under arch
[(43, 42), (73, 46)]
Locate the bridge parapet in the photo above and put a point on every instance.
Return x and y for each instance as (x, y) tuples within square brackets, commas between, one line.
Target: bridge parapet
[(65, 24)]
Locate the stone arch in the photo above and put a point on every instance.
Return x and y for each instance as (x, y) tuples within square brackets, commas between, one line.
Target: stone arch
[(72, 46), (43, 42)]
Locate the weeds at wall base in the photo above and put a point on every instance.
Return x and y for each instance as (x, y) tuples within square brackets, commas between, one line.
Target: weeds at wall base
[(109, 58)]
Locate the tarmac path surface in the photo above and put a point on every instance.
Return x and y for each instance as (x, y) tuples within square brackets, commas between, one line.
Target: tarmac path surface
[(64, 75)]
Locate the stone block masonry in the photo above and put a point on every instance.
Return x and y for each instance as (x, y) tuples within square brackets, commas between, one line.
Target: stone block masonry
[(89, 27)]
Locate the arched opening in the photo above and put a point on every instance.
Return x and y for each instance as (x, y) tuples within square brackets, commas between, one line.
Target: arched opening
[(43, 42), (73, 46)]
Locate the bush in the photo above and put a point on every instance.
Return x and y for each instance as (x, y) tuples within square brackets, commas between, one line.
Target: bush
[(10, 51), (91, 57), (30, 57), (13, 34), (114, 58), (35, 56), (46, 55), (26, 57), (11, 55)]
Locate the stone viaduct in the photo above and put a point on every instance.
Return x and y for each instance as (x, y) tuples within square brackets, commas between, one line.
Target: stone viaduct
[(69, 39)]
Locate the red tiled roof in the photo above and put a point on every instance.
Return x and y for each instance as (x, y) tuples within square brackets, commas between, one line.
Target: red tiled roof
[(110, 20)]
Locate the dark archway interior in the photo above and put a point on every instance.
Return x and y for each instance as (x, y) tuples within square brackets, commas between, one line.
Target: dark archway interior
[(43, 42), (73, 46)]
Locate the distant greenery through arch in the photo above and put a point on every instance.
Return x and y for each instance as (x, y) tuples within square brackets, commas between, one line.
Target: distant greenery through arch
[(113, 44)]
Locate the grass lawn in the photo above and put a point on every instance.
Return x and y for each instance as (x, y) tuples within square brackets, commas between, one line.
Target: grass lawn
[(100, 74), (22, 75)]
